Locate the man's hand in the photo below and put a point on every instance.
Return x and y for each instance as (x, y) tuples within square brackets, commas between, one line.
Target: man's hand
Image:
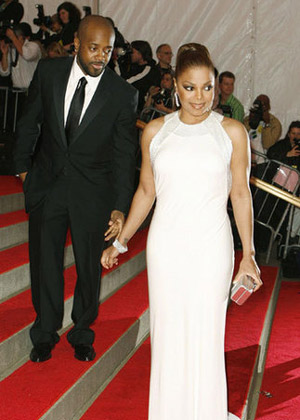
[(10, 34), (23, 176), (116, 223), (4, 47)]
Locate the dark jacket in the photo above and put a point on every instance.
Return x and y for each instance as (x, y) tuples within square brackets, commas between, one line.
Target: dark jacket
[(279, 150), (103, 150)]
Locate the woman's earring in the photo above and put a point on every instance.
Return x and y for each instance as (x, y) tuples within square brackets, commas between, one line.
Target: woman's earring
[(176, 97)]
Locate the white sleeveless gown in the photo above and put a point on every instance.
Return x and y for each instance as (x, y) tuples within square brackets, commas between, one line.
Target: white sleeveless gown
[(190, 263)]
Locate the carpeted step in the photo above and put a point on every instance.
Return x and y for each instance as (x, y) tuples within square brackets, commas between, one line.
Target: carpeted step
[(13, 228), (245, 335), (63, 385), (16, 314), (127, 394), (11, 194), (14, 268), (279, 395)]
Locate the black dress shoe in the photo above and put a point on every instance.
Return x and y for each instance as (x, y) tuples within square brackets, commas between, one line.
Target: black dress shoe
[(84, 352), (41, 352)]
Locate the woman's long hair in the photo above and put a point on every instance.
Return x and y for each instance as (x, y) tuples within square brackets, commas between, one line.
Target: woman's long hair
[(74, 12)]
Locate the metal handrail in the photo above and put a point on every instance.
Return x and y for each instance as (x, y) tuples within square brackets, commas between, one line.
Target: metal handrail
[(284, 195)]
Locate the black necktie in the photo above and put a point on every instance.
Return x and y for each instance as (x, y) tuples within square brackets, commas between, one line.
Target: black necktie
[(75, 109)]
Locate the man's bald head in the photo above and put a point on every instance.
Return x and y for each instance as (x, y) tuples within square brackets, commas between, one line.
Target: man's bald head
[(94, 43), (91, 22)]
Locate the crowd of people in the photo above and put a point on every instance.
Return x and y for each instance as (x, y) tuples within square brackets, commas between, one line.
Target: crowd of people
[(21, 50)]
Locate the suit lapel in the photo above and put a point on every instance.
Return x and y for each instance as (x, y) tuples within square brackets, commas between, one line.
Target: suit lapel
[(60, 87), (99, 99)]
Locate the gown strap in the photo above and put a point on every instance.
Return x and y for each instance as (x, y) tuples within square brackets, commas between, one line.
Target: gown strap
[(171, 122)]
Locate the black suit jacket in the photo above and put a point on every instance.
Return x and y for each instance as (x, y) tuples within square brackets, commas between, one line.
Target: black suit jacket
[(103, 150)]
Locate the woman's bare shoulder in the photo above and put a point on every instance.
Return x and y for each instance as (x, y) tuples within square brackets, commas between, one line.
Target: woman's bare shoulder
[(233, 127), (151, 129)]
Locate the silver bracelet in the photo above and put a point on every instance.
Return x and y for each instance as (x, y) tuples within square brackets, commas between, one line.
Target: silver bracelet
[(120, 247)]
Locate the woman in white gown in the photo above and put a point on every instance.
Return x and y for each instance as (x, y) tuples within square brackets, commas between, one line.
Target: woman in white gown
[(192, 161)]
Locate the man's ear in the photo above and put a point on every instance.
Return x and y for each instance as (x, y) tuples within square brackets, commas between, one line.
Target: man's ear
[(76, 43)]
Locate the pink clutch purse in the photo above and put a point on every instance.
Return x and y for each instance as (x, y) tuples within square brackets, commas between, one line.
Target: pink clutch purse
[(242, 290)]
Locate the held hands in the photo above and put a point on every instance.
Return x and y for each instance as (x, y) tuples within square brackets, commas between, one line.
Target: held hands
[(249, 267), (109, 257), (115, 224)]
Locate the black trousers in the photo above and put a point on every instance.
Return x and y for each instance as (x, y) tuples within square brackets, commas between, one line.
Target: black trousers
[(85, 208)]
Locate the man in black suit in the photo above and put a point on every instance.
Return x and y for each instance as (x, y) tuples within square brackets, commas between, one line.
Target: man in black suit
[(75, 153)]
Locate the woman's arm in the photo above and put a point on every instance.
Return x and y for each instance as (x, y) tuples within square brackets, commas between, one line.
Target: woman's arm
[(143, 198), (241, 199)]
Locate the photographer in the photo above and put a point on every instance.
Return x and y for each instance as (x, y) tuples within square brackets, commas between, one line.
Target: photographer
[(50, 28), (263, 127), (229, 104), (161, 98), (120, 58), (143, 72), (69, 16), (21, 57), (288, 149)]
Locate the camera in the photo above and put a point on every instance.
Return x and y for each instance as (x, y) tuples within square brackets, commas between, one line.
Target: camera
[(42, 19), (4, 25), (297, 142), (162, 97), (256, 114), (87, 10), (226, 109)]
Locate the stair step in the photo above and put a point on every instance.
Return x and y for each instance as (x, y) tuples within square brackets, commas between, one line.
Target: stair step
[(17, 313), (13, 228), (62, 385), (127, 394), (11, 194), (244, 329), (14, 268), (279, 396)]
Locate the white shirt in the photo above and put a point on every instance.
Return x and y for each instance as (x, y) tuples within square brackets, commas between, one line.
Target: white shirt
[(92, 84), (22, 74)]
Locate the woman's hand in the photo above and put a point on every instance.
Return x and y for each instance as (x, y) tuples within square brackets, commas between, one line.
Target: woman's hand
[(109, 257), (248, 266)]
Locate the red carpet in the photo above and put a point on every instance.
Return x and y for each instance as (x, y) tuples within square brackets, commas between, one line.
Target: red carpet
[(126, 397), (243, 331), (282, 371), (17, 312), (12, 218), (16, 256), (53, 378), (10, 185)]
